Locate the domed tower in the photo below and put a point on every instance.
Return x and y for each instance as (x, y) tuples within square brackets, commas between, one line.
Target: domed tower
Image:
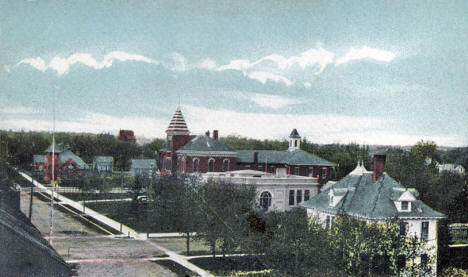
[(294, 140)]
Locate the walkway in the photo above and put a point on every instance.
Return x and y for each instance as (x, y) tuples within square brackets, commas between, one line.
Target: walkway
[(129, 232)]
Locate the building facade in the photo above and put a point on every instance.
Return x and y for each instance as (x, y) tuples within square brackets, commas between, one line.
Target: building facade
[(65, 162), (103, 163), (275, 191), (376, 197), (185, 154), (143, 167), (127, 136)]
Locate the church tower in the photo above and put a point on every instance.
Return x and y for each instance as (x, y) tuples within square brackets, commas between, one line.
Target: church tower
[(294, 140)]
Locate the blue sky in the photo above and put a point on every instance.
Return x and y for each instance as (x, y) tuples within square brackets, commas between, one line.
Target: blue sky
[(374, 72)]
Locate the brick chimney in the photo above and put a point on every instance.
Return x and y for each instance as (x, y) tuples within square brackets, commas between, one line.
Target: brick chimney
[(215, 134), (378, 166)]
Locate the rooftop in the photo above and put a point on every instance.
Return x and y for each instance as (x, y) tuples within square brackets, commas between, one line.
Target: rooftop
[(295, 157)]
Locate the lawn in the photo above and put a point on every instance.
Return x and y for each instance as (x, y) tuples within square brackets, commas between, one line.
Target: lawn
[(96, 196), (228, 266), (178, 245)]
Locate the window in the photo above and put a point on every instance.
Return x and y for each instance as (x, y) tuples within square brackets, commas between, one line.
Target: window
[(324, 173), (295, 143), (306, 195), (299, 196), (404, 205), (226, 165), (424, 260), (296, 171), (265, 200), (327, 222), (182, 165), (331, 201), (195, 165), (167, 164), (403, 228), (424, 230), (291, 197), (211, 165)]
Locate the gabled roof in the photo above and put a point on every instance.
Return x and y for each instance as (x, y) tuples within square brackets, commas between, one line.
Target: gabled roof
[(294, 157), (58, 148), (103, 159), (177, 125), (366, 199), (67, 154), (204, 143), (143, 163), (294, 134)]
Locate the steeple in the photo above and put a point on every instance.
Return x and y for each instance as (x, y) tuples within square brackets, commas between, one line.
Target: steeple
[(294, 140), (177, 126)]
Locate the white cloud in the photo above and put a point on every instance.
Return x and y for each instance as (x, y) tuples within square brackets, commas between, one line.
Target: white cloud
[(307, 84), (208, 64), (273, 101), (17, 110), (263, 77), (62, 65), (7, 68), (366, 53), (312, 57), (37, 63), (179, 62)]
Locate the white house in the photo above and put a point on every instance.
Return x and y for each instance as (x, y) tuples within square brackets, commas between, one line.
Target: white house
[(279, 192), (143, 167), (453, 168), (377, 197)]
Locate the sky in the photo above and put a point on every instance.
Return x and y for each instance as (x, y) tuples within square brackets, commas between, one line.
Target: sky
[(368, 72)]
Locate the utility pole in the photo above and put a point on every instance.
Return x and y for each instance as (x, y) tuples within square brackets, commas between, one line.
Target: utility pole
[(31, 204), (51, 214)]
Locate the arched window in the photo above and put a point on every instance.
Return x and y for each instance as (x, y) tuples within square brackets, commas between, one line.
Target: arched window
[(265, 200), (195, 165), (211, 165), (226, 165), (167, 164), (182, 165)]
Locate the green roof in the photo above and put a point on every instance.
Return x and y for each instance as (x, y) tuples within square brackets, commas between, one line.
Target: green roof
[(294, 157), (204, 143), (67, 155), (58, 148), (103, 159), (371, 200), (143, 163), (294, 134)]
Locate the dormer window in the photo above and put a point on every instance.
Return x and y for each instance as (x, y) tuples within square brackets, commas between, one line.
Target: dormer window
[(331, 201), (404, 205)]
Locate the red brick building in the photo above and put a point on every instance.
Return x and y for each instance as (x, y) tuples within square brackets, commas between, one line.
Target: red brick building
[(185, 153), (126, 135), (65, 162)]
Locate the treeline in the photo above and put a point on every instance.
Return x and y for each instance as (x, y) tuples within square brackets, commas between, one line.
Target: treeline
[(20, 147), (227, 219)]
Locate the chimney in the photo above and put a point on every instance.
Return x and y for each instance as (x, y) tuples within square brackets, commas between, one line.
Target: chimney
[(378, 166), (215, 134), (207, 133)]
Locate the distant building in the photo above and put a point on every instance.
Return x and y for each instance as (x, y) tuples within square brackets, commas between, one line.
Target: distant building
[(143, 167), (126, 135), (103, 163), (452, 168), (24, 251), (185, 154), (377, 197), (294, 160), (277, 192), (65, 162), (39, 162)]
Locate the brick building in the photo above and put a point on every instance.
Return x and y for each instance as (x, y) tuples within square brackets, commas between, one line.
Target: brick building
[(65, 162), (185, 153), (126, 135)]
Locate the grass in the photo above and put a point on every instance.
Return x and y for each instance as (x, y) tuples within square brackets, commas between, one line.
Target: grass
[(178, 245), (227, 266), (96, 196), (176, 268)]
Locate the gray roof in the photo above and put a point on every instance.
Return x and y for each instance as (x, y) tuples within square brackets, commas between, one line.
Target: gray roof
[(67, 154), (103, 159), (294, 157), (204, 143), (143, 163), (294, 134), (366, 199), (40, 159)]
